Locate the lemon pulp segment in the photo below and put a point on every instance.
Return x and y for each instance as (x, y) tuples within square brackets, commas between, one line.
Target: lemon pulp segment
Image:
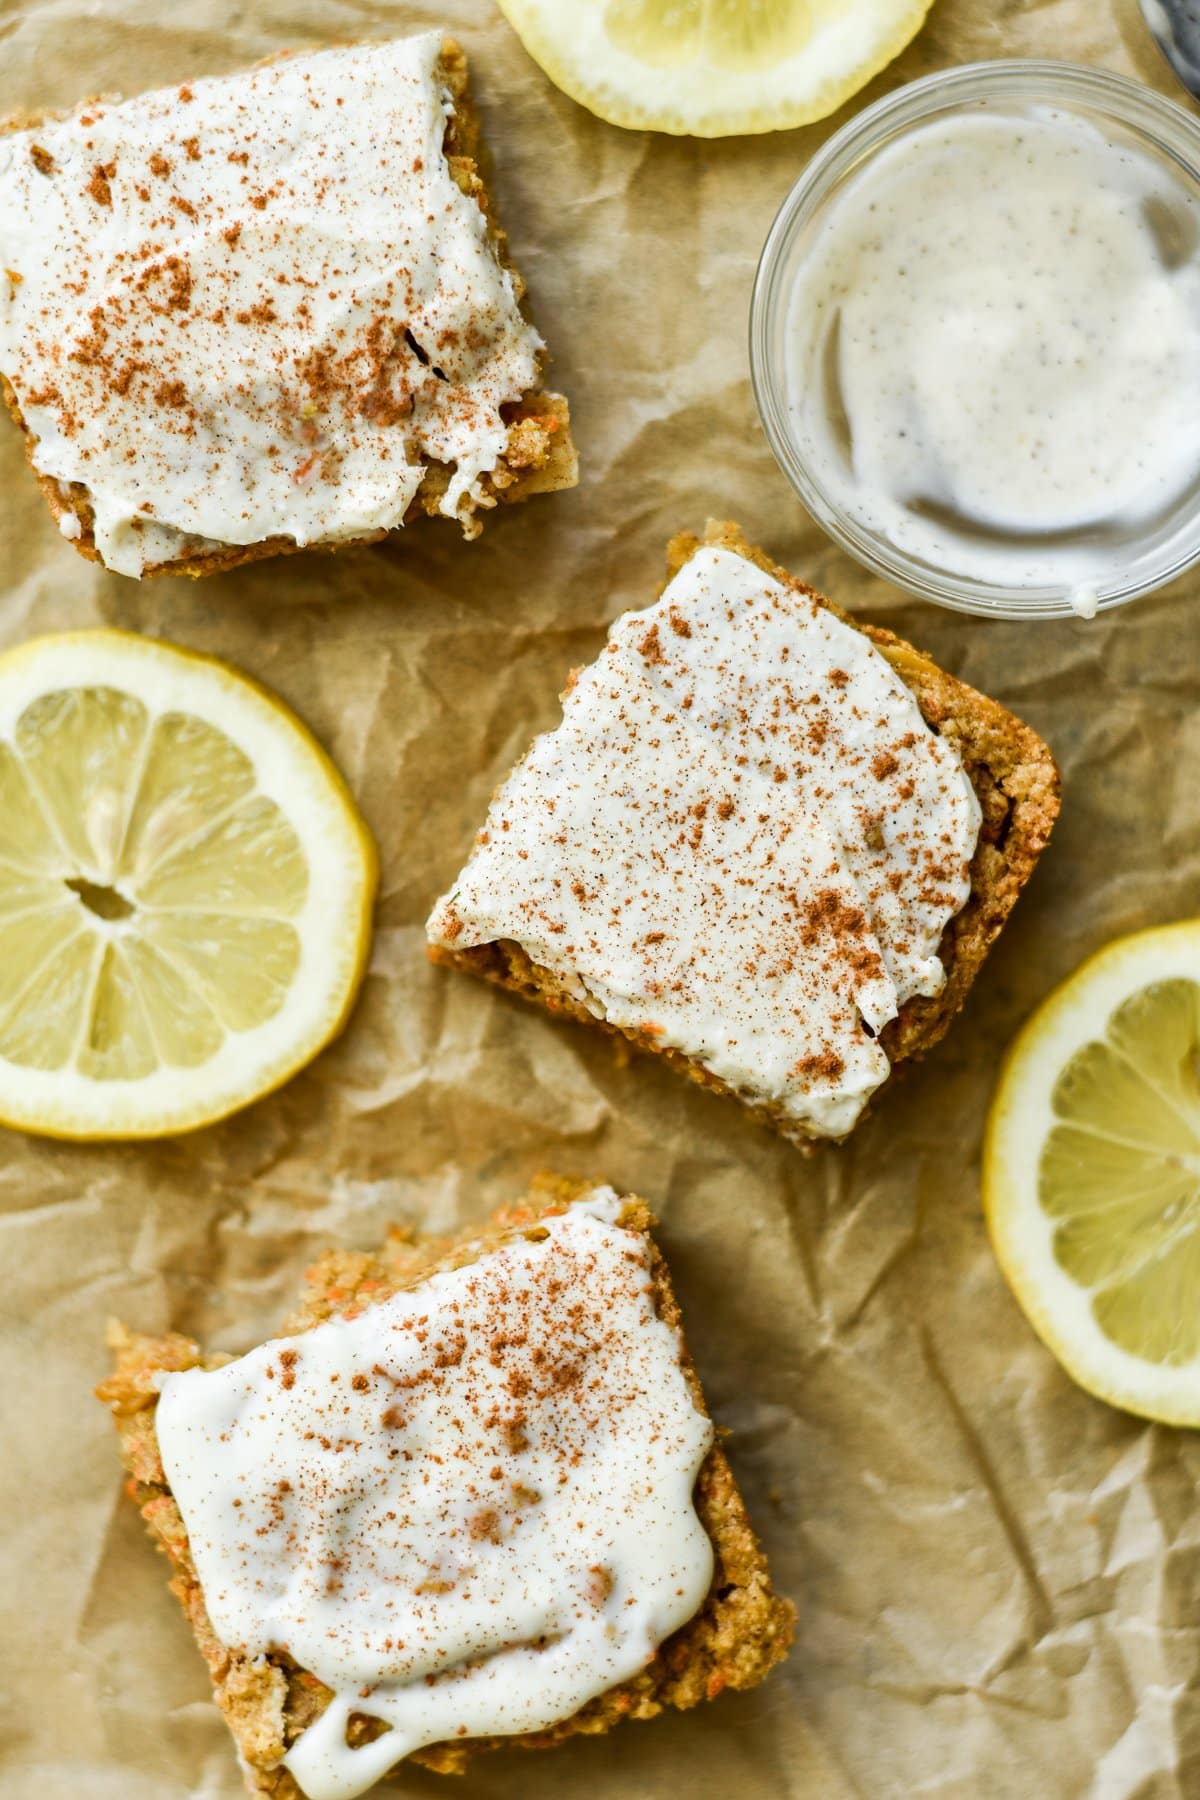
[(741, 35)]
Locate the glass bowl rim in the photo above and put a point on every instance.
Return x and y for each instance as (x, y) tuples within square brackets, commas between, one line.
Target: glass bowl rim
[(1157, 121)]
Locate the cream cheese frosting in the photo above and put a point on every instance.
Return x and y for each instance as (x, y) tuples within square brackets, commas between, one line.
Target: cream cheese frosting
[(468, 1510), (742, 841), (257, 306)]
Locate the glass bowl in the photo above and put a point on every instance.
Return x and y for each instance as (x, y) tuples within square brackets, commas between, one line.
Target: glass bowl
[(1117, 106)]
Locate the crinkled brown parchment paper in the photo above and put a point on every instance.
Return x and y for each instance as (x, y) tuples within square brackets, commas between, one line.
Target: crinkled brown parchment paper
[(998, 1578)]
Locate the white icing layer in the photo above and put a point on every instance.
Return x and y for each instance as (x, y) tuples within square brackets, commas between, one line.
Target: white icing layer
[(257, 306), (468, 1510), (743, 840)]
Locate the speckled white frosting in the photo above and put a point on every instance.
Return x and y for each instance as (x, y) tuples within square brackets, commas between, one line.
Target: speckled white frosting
[(257, 306), (468, 1511), (743, 842)]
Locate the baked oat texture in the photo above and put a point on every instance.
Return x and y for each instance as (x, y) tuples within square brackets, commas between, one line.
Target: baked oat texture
[(1016, 782), (742, 1630), (539, 457)]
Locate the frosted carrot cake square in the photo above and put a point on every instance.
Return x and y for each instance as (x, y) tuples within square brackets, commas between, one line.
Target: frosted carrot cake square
[(765, 842), (268, 310), (471, 1497)]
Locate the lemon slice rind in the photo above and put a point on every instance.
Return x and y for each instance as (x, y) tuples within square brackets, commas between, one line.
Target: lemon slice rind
[(850, 44), (333, 922), (1019, 1123)]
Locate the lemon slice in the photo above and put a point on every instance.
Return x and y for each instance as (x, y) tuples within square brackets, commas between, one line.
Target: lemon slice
[(185, 889), (712, 68), (1092, 1173)]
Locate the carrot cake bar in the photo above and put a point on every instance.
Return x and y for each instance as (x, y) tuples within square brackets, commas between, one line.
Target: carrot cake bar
[(472, 1497), (770, 843), (269, 310)]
